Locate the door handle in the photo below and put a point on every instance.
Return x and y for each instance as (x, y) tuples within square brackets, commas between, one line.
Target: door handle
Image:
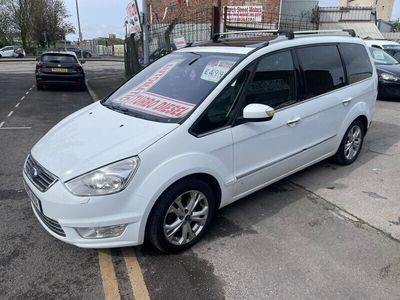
[(347, 101), (293, 121)]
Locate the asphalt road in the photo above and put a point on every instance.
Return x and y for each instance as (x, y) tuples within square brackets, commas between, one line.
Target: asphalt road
[(287, 241)]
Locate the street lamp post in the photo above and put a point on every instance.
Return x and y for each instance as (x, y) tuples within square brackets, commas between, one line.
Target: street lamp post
[(79, 28)]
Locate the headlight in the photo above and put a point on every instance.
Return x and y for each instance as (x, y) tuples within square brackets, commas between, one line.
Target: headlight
[(389, 77), (105, 180)]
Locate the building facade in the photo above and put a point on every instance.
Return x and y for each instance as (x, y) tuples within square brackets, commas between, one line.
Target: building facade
[(384, 8)]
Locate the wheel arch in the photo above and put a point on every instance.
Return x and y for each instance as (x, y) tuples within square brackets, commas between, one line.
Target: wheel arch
[(206, 177)]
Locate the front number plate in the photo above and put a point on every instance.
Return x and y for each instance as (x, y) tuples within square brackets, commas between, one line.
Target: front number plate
[(33, 197)]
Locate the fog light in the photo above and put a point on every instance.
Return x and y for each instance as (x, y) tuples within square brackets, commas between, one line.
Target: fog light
[(101, 232)]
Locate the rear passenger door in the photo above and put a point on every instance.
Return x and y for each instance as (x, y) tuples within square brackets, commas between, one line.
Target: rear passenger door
[(266, 151), (326, 99)]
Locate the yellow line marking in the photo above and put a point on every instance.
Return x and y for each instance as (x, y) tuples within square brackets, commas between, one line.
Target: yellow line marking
[(109, 279), (135, 275)]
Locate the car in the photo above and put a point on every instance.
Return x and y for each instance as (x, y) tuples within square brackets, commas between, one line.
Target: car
[(196, 130), (390, 47), (12, 51), (77, 51), (388, 70), (59, 68)]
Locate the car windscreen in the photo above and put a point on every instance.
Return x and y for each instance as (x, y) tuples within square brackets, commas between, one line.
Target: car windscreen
[(58, 58), (380, 57), (172, 87)]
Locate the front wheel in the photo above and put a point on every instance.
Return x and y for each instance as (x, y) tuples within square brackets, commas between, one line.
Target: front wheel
[(181, 216), (351, 144)]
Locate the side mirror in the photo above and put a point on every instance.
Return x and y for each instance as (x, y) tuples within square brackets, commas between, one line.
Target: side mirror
[(258, 113), (38, 58), (83, 61)]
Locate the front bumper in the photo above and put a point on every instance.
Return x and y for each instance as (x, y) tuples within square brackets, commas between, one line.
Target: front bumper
[(387, 89), (60, 207)]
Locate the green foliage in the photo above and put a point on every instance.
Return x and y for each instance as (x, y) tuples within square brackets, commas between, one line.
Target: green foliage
[(36, 23), (396, 26)]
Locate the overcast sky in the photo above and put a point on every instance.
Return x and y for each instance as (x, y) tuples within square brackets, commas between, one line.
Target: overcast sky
[(101, 17)]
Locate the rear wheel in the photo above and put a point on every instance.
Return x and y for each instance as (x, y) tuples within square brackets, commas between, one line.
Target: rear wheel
[(181, 216), (351, 144)]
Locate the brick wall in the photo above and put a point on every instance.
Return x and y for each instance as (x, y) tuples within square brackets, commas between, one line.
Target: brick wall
[(270, 7)]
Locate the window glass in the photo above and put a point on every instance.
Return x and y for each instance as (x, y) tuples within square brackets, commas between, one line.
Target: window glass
[(173, 86), (357, 62), (381, 57), (322, 69), (274, 82), (58, 58), (219, 112)]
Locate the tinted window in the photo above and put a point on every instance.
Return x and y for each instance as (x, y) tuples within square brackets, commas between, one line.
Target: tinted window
[(322, 69), (357, 62), (274, 82), (170, 88), (58, 58), (219, 112)]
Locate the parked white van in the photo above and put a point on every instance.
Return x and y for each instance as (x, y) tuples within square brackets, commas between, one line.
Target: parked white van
[(196, 130)]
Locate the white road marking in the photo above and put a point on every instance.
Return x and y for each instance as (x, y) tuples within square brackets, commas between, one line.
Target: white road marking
[(1, 124), (16, 105), (12, 128), (10, 113), (27, 93), (30, 89), (23, 98)]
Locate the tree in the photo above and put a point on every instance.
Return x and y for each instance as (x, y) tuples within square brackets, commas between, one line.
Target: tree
[(396, 26), (36, 22), (7, 28)]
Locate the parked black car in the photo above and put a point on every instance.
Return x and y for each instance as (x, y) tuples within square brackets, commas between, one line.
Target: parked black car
[(59, 68), (388, 70)]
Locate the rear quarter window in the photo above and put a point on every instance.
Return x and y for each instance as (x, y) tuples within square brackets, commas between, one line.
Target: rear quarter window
[(322, 68), (357, 62)]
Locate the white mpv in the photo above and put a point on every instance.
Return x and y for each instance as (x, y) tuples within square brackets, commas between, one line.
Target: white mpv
[(195, 131)]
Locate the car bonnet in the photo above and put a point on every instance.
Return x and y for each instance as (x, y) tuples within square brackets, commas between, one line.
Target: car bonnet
[(93, 137)]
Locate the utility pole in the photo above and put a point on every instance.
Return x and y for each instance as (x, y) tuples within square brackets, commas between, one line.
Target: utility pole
[(79, 28), (146, 49)]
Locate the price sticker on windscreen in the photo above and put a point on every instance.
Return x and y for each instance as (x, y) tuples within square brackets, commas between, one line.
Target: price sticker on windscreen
[(216, 69)]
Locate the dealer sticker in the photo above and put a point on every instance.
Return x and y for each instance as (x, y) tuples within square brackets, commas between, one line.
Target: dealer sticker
[(215, 70), (158, 105)]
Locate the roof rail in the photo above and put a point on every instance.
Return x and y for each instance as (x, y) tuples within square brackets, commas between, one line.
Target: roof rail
[(288, 33), (351, 32)]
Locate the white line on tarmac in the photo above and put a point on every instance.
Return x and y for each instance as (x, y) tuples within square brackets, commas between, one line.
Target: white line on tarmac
[(16, 105), (27, 93), (13, 128), (23, 98), (10, 113), (1, 124)]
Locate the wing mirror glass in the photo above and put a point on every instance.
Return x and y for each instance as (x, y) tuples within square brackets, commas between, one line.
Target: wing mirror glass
[(258, 113)]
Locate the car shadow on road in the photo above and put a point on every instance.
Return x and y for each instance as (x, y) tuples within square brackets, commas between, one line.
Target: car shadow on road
[(64, 88)]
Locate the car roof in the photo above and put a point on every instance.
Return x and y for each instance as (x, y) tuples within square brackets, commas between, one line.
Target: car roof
[(380, 42), (59, 53)]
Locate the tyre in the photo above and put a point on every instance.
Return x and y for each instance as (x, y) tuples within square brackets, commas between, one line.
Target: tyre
[(351, 144), (39, 86), (181, 216)]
